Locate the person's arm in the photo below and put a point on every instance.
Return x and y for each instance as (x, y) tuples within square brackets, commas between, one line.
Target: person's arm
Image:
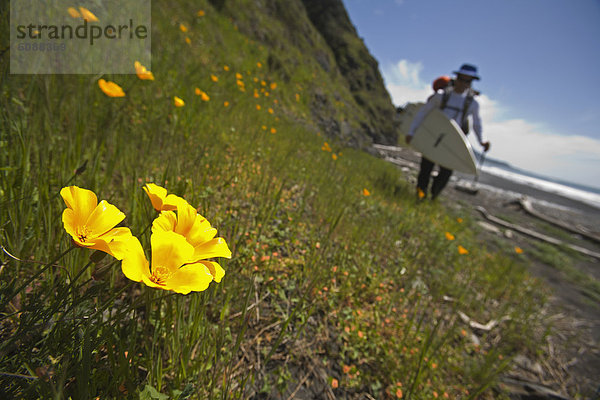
[(477, 126), (434, 102)]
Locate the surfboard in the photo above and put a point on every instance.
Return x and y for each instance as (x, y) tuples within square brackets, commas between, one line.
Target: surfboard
[(441, 140)]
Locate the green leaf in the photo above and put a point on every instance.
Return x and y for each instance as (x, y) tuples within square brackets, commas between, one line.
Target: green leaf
[(150, 393)]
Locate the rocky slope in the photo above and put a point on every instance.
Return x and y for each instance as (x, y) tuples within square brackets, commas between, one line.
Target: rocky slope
[(304, 32)]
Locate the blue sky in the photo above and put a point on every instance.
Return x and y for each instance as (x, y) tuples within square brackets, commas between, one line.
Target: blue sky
[(539, 61)]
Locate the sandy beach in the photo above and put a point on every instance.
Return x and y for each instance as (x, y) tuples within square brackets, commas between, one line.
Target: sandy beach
[(571, 359)]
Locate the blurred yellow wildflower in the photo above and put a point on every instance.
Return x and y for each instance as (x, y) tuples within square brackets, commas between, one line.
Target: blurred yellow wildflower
[(259, 65), (326, 147), (214, 78), (170, 269), (183, 28), (518, 250), (366, 192), (273, 86), (334, 156), (226, 67), (202, 94), (225, 104), (87, 15), (178, 102), (188, 40), (420, 193), (110, 89), (462, 250), (273, 130), (92, 225), (73, 12), (201, 13), (159, 198), (449, 236), (142, 72)]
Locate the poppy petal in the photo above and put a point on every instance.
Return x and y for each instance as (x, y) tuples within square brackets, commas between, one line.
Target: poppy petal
[(191, 277), (213, 248), (104, 217), (134, 264)]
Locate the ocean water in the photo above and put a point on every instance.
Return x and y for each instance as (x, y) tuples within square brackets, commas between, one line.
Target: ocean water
[(587, 195)]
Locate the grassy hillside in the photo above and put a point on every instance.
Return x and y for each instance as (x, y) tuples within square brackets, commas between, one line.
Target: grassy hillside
[(339, 283)]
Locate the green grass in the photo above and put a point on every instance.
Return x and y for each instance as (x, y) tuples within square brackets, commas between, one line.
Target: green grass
[(368, 286)]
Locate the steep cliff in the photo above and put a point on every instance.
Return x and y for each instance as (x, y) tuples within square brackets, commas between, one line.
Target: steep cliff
[(354, 105)]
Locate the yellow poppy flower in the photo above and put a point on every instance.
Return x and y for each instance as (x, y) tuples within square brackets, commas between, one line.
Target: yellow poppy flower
[(225, 104), (110, 89), (334, 156), (87, 15), (259, 65), (183, 28), (188, 40), (201, 13), (518, 250), (142, 72), (73, 12), (92, 225), (462, 250), (273, 86), (449, 236), (420, 193), (198, 232), (178, 102), (159, 198), (366, 192), (226, 67), (169, 269), (214, 78), (273, 130), (326, 147), (459, 220)]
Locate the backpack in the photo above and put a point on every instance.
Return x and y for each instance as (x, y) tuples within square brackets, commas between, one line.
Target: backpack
[(464, 123)]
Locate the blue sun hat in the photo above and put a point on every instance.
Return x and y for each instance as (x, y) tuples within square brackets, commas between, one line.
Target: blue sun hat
[(468, 70)]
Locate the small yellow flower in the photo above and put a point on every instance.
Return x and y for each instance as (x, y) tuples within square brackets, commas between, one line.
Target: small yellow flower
[(188, 40), (449, 236), (264, 127), (87, 15), (273, 130), (159, 198), (110, 89), (92, 224), (334, 156), (178, 102), (366, 192), (518, 250), (459, 220), (226, 67), (170, 269), (198, 232), (225, 104), (183, 28), (214, 78), (297, 97), (270, 110), (73, 12), (238, 76), (202, 94), (259, 65), (462, 250), (273, 86), (258, 106), (326, 147), (201, 13), (142, 72), (420, 193)]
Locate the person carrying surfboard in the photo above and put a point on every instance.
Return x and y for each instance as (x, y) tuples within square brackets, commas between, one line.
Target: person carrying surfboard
[(457, 102)]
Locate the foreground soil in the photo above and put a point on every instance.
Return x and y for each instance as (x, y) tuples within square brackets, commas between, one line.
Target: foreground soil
[(569, 366)]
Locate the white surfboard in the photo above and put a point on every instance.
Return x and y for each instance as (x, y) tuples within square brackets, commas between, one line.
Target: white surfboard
[(441, 140)]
